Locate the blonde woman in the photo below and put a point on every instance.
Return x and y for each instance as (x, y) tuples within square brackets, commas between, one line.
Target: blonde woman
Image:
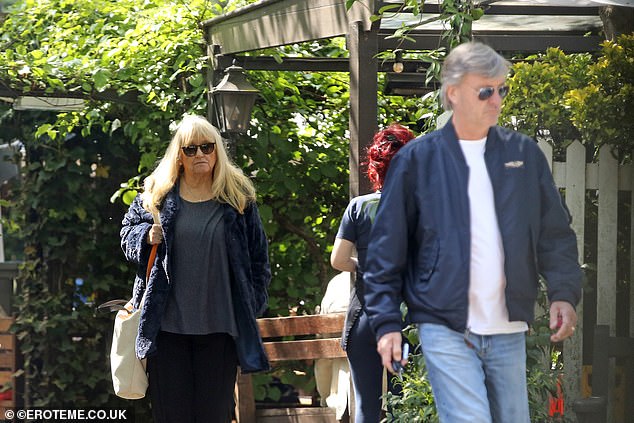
[(209, 280)]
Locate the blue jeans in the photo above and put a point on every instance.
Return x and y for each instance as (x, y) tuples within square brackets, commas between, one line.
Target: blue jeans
[(478, 378)]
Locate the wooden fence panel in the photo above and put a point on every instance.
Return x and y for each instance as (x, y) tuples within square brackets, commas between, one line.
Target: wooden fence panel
[(608, 177), (547, 149), (607, 240), (575, 180)]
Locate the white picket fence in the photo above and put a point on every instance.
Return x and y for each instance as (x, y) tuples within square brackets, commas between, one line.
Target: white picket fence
[(576, 176)]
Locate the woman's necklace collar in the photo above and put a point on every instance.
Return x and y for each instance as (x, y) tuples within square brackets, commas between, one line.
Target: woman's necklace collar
[(192, 195)]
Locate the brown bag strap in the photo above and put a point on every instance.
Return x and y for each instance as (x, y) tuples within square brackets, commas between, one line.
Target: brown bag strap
[(150, 262)]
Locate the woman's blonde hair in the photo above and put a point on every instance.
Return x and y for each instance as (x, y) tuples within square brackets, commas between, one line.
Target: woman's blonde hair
[(230, 184)]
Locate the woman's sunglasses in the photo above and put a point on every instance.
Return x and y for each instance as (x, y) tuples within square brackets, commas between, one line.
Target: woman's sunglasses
[(390, 139), (486, 93), (191, 150)]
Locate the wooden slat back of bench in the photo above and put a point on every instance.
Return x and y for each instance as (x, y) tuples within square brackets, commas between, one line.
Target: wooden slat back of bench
[(8, 358), (309, 349), (301, 325), (320, 337), (7, 353), (325, 327)]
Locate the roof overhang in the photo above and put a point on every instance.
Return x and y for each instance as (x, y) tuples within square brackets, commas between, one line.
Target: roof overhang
[(518, 25), (272, 23)]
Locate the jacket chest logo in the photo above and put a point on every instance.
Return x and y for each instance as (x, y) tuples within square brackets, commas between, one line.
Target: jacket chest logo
[(514, 164)]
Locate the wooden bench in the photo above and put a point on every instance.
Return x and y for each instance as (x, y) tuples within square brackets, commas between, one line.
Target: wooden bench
[(595, 408), (324, 333)]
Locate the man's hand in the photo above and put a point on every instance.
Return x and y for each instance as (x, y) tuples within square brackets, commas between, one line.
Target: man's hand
[(389, 348), (563, 319)]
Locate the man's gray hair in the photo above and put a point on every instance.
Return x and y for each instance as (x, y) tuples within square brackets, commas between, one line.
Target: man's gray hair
[(470, 58)]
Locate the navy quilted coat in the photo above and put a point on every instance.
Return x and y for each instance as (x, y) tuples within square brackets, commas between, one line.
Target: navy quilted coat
[(247, 250)]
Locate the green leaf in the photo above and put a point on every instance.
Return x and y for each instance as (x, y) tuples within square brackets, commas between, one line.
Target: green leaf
[(129, 196), (101, 79), (266, 213), (197, 80), (388, 8), (43, 129), (477, 13), (81, 213), (37, 54)]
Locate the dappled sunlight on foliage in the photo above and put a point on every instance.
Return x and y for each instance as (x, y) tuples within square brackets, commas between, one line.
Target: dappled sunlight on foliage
[(576, 97)]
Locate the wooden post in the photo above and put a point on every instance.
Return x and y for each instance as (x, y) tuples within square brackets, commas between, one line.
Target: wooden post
[(245, 400), (628, 179), (363, 47), (212, 76)]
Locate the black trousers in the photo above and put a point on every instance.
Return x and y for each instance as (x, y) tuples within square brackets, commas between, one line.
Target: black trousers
[(192, 378), (367, 372)]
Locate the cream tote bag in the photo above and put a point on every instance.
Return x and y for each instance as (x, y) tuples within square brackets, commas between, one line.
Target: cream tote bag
[(129, 378)]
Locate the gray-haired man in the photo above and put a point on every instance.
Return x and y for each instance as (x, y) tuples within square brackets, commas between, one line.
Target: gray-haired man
[(468, 220)]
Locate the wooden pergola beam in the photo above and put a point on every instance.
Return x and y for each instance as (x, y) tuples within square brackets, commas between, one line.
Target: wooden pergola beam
[(130, 97), (526, 10), (518, 42), (309, 64)]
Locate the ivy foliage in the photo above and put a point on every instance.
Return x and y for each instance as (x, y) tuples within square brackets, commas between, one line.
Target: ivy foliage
[(456, 18), (150, 54), (299, 157), (71, 261)]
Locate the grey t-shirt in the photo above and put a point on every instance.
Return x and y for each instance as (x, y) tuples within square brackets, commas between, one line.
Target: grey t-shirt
[(199, 302)]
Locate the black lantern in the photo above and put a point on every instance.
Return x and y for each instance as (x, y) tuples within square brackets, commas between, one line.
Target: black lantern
[(233, 100)]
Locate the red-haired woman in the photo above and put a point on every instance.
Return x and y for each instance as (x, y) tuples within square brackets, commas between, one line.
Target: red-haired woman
[(358, 338)]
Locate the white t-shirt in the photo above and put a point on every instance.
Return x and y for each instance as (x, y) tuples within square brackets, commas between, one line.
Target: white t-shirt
[(488, 314)]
